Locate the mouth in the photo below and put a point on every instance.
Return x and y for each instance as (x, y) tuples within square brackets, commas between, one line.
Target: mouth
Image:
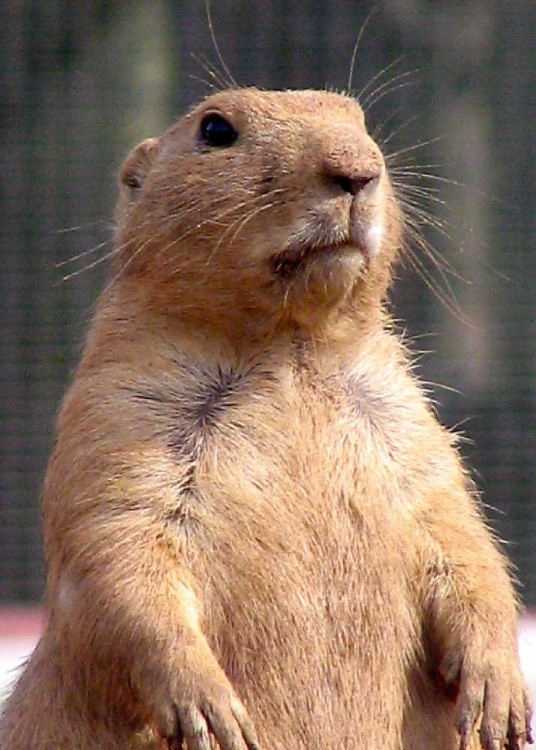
[(297, 255)]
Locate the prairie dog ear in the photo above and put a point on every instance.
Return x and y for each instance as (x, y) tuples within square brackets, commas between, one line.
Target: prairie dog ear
[(137, 166)]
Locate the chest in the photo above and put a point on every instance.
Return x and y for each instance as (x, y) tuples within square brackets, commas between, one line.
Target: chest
[(279, 453), (292, 508), (351, 441)]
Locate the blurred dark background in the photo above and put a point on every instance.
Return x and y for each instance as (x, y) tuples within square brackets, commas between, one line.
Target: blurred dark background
[(454, 99)]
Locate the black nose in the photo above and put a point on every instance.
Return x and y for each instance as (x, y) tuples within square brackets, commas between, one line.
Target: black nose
[(352, 163), (354, 185)]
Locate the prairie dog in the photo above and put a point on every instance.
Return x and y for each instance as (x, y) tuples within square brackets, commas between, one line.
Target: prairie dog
[(257, 533)]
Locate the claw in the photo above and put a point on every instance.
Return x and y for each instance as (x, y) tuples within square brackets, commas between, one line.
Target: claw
[(528, 723), (491, 743), (465, 734)]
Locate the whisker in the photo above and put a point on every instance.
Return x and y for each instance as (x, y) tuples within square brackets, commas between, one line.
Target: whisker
[(447, 299), (127, 263), (392, 84), (209, 84), (397, 130), (356, 47), (445, 294), (378, 76), (441, 263), (196, 226), (83, 254), (79, 227), (411, 172), (248, 218), (380, 126), (415, 170), (386, 92), (231, 80), (418, 192), (416, 209), (220, 82), (409, 149), (228, 210), (94, 264)]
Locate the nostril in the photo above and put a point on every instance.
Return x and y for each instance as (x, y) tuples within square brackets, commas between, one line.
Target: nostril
[(345, 183), (353, 185)]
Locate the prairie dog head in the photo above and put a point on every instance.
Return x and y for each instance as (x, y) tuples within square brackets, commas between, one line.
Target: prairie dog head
[(277, 204)]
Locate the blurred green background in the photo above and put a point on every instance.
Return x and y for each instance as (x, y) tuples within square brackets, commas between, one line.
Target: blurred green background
[(454, 93)]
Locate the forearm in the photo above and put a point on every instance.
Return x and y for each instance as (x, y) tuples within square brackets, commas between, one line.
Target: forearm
[(467, 576)]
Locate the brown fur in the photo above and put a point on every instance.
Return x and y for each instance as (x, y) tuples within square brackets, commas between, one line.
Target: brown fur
[(250, 494)]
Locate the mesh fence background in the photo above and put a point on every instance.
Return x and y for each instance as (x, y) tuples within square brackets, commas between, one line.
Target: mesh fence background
[(83, 82)]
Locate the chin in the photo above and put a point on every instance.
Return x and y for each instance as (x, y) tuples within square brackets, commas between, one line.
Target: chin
[(321, 282)]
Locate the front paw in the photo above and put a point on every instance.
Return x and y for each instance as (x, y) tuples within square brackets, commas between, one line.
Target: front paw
[(492, 694), (201, 705)]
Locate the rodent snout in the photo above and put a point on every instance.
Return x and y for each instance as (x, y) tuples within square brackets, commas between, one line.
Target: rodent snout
[(355, 166), (354, 185), (353, 169)]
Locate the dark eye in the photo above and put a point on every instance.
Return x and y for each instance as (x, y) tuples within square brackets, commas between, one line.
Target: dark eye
[(217, 132)]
